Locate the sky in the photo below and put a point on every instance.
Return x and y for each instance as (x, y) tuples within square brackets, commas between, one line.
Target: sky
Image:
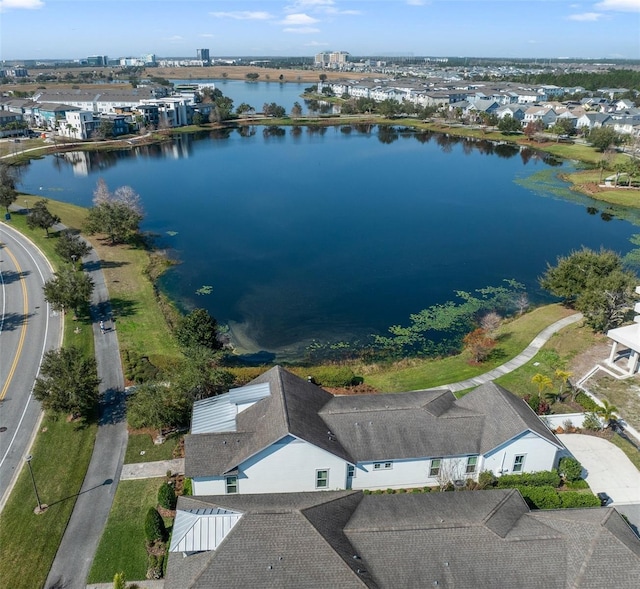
[(75, 29)]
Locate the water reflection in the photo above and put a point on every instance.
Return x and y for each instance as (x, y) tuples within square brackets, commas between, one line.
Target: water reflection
[(84, 163)]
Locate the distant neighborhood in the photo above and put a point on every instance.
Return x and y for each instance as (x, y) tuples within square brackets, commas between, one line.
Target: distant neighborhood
[(454, 91)]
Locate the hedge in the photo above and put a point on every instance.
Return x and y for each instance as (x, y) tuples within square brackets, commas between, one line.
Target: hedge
[(575, 499), (587, 402), (535, 479), (545, 497)]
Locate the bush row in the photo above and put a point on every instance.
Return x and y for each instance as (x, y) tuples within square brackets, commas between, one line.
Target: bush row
[(587, 402), (547, 497), (545, 478)]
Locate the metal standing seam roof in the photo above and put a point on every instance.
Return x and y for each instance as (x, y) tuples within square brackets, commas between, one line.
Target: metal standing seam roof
[(196, 530), (218, 414)]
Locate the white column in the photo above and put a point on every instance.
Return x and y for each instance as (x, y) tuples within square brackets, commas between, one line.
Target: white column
[(633, 362), (614, 349)]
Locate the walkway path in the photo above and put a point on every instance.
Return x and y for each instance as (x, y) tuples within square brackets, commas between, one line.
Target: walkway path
[(80, 541), (529, 352)]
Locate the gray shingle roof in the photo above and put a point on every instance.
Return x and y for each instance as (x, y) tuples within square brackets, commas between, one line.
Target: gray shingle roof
[(360, 428), (466, 540)]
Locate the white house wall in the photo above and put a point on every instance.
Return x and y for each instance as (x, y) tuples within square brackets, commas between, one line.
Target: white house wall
[(287, 466), (539, 455), (406, 474)]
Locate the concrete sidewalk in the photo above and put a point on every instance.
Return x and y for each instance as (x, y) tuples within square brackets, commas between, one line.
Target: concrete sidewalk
[(527, 354), (151, 470)]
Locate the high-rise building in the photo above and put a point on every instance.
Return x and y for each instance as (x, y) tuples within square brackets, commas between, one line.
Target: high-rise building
[(97, 60), (331, 58), (203, 56)]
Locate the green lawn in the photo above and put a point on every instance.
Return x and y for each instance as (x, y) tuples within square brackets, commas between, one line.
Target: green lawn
[(122, 546), (61, 455), (152, 452), (632, 453), (513, 337)]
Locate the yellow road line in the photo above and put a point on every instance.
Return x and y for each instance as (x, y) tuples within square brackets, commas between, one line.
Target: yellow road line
[(23, 332)]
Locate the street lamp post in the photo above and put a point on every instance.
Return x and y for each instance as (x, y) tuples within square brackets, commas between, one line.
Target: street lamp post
[(41, 507), (26, 206)]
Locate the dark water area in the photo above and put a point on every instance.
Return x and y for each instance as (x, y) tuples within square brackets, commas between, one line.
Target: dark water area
[(336, 233)]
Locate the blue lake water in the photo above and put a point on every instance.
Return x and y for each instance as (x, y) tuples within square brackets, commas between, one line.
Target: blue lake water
[(340, 232), (256, 94)]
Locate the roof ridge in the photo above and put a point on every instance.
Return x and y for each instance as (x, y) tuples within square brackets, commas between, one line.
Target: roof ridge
[(287, 422)]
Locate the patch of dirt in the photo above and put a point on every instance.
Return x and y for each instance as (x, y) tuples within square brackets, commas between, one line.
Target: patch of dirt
[(581, 363)]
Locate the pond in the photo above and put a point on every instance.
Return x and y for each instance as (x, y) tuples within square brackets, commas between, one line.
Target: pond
[(303, 233)]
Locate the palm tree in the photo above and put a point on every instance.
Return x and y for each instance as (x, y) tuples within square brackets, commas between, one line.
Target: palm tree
[(543, 382), (607, 411), (563, 376)]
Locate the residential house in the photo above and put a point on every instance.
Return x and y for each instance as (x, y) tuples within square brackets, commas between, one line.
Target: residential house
[(49, 115), (78, 124), (466, 540), (281, 433), (11, 124), (513, 110), (592, 120), (544, 114)]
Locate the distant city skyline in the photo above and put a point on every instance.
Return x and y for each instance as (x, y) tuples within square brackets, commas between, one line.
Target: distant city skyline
[(68, 29)]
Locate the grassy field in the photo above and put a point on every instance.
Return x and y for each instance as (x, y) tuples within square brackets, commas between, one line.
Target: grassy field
[(122, 546), (152, 452), (29, 542), (513, 337)]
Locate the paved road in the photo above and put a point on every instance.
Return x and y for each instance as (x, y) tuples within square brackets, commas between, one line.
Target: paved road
[(80, 541), (28, 328)]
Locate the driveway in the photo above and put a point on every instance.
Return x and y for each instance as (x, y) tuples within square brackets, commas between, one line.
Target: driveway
[(608, 468)]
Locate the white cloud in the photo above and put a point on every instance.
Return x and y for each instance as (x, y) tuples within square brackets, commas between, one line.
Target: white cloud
[(299, 19), (243, 15), (206, 35), (416, 2), (319, 7), (302, 30), (174, 39), (619, 5), (586, 16), (316, 44), (28, 4)]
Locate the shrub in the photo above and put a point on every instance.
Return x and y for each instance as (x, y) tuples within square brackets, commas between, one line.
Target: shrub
[(402, 490), (119, 581), (138, 369), (366, 492), (332, 376), (390, 491), (570, 468), (486, 479), (154, 529), (544, 497), (591, 422), (187, 487), (569, 499), (543, 478), (167, 496), (586, 402), (416, 490)]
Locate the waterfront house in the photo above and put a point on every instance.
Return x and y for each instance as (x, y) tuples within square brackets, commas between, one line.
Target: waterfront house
[(281, 433)]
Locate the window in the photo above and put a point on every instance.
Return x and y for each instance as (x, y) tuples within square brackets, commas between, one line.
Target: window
[(351, 471), (518, 463), (322, 479), (232, 485), (472, 463), (382, 465), (434, 471)]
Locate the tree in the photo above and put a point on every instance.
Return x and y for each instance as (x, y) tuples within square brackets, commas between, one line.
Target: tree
[(273, 110), (479, 344), (198, 328), (252, 77), (607, 411), (296, 110), (563, 376), (154, 528), (117, 214), (530, 130), (200, 374), (8, 180), (542, 381), (68, 289), (158, 406), (508, 125), (71, 247), (40, 216), (245, 108), (68, 383), (594, 283), (119, 581), (198, 119), (602, 138), (570, 468), (167, 496), (490, 322)]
